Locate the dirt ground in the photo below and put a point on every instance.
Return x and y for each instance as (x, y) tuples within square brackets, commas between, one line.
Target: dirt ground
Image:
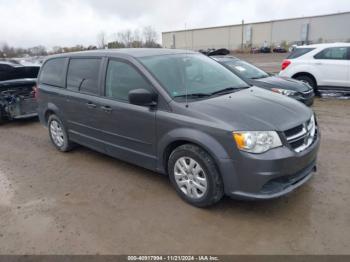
[(84, 202)]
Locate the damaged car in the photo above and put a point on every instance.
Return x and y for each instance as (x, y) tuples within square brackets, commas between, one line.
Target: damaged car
[(254, 76), (17, 91)]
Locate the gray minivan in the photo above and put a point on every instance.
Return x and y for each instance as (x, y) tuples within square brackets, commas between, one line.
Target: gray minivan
[(181, 114)]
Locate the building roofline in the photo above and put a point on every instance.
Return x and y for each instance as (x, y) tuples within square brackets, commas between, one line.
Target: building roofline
[(254, 23)]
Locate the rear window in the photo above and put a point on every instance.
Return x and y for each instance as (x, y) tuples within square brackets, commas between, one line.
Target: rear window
[(83, 75), (298, 52), (53, 72)]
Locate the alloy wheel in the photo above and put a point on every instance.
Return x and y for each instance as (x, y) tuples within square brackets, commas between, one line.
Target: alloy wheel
[(190, 177)]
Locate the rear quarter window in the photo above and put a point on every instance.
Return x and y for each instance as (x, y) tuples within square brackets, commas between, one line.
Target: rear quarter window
[(53, 72), (298, 52), (333, 53)]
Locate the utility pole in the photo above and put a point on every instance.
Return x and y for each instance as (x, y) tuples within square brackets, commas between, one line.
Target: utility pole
[(242, 46)]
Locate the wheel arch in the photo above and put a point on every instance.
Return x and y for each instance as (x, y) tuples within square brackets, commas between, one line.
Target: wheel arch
[(188, 136), (50, 110), (305, 74)]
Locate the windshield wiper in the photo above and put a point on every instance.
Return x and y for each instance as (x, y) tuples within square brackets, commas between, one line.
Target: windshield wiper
[(259, 77), (194, 95), (229, 90)]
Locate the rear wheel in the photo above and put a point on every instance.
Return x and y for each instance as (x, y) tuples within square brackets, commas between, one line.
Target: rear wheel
[(309, 80), (194, 175), (58, 134)]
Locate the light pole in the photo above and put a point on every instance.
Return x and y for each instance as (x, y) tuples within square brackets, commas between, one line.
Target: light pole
[(242, 46)]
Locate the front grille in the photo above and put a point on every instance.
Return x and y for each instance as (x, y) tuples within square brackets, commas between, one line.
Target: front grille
[(294, 131), (302, 137)]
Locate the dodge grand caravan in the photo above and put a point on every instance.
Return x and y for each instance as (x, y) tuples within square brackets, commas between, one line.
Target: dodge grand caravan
[(181, 114)]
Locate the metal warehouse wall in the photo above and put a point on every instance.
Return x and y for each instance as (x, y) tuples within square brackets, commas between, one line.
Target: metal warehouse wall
[(328, 28)]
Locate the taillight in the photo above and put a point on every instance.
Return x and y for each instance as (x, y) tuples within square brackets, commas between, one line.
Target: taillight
[(35, 89), (285, 64)]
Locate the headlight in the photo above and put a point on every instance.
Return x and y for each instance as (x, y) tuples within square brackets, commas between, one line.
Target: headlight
[(284, 92), (257, 142)]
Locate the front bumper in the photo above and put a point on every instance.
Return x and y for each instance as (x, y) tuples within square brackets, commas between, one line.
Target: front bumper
[(307, 101), (307, 98), (269, 175)]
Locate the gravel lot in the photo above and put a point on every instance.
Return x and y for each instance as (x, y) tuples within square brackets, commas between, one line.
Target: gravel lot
[(84, 202)]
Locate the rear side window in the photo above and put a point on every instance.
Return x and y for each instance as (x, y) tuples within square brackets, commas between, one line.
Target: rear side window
[(53, 72), (121, 79), (83, 75), (298, 52), (333, 53)]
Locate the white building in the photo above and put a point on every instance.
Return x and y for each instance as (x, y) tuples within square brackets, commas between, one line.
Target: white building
[(314, 29)]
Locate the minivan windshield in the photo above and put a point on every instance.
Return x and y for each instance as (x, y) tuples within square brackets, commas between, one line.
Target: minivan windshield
[(192, 75), (245, 69)]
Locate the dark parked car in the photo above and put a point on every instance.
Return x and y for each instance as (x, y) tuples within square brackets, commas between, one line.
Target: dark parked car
[(265, 50), (253, 75), (212, 51), (17, 96), (279, 49), (182, 114)]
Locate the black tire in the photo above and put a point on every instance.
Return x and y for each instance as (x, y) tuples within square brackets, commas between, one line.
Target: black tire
[(308, 79), (2, 118), (215, 189), (67, 145)]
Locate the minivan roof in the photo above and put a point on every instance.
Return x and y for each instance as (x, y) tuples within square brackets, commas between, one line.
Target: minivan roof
[(132, 52)]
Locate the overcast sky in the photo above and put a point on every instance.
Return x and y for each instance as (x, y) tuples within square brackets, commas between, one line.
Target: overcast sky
[(27, 23)]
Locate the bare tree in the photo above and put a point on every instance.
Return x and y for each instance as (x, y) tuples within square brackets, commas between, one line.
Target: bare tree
[(125, 37), (135, 39), (38, 50), (101, 40), (57, 50), (150, 35), (137, 35)]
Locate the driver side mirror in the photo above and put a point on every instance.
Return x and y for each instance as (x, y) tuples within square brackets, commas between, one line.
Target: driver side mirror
[(142, 97)]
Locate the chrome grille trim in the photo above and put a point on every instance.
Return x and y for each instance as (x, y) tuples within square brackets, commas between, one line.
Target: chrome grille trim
[(307, 92), (305, 137), (298, 135)]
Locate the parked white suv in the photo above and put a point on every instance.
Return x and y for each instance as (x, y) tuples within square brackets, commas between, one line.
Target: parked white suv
[(322, 66)]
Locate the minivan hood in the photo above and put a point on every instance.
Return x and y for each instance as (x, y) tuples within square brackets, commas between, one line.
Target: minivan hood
[(254, 109), (279, 82)]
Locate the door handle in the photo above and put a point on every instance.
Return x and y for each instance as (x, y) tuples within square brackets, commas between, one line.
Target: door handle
[(91, 105), (107, 109)]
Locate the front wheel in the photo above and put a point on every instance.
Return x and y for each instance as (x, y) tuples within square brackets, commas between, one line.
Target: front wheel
[(194, 175), (58, 134), (2, 117)]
